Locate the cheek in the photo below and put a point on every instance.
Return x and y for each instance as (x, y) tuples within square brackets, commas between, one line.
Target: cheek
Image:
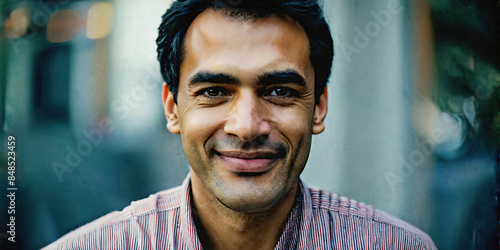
[(294, 123), (296, 127), (197, 125)]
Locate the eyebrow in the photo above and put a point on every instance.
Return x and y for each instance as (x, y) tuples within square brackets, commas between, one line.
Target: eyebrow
[(277, 77), (210, 77), (282, 77)]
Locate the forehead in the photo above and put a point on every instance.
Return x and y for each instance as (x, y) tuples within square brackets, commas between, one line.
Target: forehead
[(215, 38), (217, 26)]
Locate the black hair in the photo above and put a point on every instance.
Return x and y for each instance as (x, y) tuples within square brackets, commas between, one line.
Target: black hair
[(180, 15)]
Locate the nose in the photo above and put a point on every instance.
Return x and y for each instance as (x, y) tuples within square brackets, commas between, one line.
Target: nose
[(247, 117)]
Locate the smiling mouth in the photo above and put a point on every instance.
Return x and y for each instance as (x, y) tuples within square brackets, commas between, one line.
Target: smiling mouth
[(245, 163)]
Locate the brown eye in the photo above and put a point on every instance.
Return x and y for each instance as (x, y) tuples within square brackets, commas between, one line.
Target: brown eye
[(280, 92), (215, 92)]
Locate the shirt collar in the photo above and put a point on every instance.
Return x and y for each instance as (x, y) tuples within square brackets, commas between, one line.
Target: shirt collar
[(297, 223), (188, 227)]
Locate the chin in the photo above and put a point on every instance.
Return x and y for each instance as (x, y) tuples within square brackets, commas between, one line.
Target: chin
[(250, 206), (250, 197)]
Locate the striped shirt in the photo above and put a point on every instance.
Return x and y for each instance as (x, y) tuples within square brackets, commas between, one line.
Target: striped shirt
[(318, 220)]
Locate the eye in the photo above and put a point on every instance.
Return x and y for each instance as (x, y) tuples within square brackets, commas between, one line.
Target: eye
[(214, 92), (281, 92)]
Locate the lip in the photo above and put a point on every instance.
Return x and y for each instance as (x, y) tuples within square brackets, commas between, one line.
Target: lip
[(249, 162)]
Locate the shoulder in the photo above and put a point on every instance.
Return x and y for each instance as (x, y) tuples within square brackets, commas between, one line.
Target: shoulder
[(358, 218), (115, 225)]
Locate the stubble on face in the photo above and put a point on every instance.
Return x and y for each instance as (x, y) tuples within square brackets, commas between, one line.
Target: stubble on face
[(214, 43)]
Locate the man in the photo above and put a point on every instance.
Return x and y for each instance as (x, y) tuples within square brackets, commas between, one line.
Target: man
[(245, 89)]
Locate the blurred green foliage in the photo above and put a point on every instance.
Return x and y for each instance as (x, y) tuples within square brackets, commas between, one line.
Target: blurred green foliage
[(467, 41)]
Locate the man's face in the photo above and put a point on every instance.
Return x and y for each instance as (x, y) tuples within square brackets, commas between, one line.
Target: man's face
[(246, 108)]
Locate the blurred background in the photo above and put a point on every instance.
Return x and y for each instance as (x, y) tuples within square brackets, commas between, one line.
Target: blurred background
[(412, 129)]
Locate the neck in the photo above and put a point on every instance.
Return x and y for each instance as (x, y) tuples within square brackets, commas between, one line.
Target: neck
[(220, 227)]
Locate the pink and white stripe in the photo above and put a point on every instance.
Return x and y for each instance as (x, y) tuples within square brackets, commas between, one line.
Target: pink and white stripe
[(319, 220)]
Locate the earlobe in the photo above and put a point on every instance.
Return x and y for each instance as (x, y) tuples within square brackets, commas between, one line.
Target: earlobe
[(170, 108), (320, 113)]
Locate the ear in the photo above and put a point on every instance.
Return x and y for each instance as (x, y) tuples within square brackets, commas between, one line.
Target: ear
[(170, 108), (320, 113)]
